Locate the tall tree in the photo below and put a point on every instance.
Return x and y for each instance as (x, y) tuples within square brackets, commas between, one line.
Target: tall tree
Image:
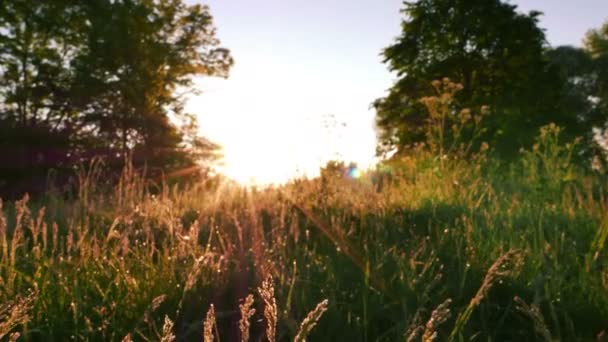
[(496, 53), (596, 45), (38, 124), (38, 41), (596, 49), (140, 54), (102, 77), (573, 70)]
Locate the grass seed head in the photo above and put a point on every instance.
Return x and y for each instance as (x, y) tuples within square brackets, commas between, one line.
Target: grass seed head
[(270, 308), (167, 331), (246, 313), (16, 313), (310, 321), (209, 324), (438, 316), (533, 312)]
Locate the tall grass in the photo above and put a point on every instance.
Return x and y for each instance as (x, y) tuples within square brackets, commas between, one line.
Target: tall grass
[(432, 247)]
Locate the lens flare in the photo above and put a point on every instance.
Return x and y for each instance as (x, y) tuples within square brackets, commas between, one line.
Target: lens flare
[(354, 172)]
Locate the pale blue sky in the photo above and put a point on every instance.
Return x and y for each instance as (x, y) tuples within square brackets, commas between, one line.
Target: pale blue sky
[(298, 61)]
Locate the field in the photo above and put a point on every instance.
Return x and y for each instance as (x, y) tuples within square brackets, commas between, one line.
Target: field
[(426, 247)]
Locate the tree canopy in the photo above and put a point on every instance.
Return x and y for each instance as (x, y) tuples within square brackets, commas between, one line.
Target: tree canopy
[(103, 77), (498, 55), (596, 46)]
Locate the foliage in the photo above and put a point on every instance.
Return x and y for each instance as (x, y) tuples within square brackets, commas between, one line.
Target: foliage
[(549, 164), (445, 247), (448, 130), (139, 54), (596, 44), (103, 78), (437, 244), (574, 70), (496, 53), (38, 125)]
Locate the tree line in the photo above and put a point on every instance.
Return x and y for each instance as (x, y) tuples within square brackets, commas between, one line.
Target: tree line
[(108, 78), (502, 60), (105, 78)]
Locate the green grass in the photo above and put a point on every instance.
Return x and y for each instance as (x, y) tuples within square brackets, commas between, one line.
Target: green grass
[(387, 257)]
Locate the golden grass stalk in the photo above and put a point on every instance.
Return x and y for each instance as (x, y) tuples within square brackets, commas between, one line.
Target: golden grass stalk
[(156, 302), (413, 333), (417, 327), (270, 308), (55, 237), (246, 313), (438, 316), (167, 331), (209, 324), (3, 235), (533, 312), (35, 227), (15, 313), (505, 266), (21, 214), (310, 321)]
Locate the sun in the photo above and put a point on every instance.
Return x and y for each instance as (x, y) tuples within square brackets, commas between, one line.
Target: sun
[(273, 129), (255, 165)]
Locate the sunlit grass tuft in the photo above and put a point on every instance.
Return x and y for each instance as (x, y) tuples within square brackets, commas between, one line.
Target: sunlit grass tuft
[(140, 261)]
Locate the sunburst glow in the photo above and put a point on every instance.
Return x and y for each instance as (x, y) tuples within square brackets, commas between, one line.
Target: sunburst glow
[(271, 140), (299, 95), (271, 115)]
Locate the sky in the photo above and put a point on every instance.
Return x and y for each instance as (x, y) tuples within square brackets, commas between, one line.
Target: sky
[(306, 73)]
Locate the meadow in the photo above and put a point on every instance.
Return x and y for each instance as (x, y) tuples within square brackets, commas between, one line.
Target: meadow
[(426, 247), (481, 220)]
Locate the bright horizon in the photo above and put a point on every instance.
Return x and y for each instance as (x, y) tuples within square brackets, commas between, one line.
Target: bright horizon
[(306, 74)]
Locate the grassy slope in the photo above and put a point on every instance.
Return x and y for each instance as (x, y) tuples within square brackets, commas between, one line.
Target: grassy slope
[(384, 255)]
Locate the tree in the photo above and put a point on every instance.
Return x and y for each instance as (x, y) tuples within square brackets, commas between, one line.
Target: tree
[(496, 53), (596, 45), (573, 69), (102, 77), (38, 42), (596, 49), (140, 54)]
